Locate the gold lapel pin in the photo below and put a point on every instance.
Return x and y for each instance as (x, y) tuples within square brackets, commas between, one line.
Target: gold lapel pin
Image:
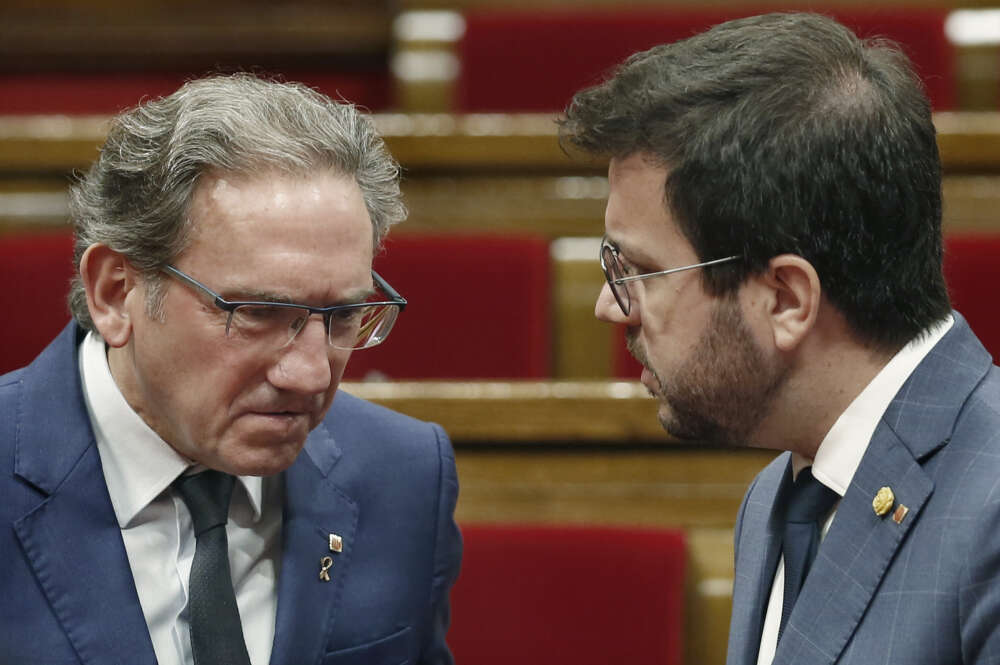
[(336, 543), (900, 513), (325, 564), (882, 503)]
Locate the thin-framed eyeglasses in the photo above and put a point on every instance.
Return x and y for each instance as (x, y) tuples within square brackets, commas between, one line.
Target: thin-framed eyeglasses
[(348, 327), (614, 273)]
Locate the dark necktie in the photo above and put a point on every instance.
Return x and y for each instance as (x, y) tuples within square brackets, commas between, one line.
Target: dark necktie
[(216, 631), (809, 502)]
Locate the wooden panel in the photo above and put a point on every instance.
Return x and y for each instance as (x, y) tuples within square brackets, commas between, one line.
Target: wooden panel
[(597, 412), (582, 344), (441, 143), (88, 36)]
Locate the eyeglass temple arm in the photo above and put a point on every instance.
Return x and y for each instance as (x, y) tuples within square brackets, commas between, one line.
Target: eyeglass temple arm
[(632, 278), (391, 292)]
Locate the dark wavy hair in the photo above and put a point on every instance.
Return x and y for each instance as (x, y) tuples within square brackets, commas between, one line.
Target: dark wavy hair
[(785, 133)]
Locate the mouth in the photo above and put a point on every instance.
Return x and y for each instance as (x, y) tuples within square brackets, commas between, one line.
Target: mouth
[(279, 421)]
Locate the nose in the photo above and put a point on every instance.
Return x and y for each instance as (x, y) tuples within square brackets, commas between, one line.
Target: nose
[(304, 366), (607, 309)]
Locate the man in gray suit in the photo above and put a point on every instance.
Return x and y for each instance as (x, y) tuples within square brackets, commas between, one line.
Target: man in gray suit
[(773, 244)]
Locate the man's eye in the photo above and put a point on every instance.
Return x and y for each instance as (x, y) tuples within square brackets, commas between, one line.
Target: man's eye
[(261, 313), (629, 269), (348, 315)]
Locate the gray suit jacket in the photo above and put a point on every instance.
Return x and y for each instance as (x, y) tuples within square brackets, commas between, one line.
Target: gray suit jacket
[(925, 590)]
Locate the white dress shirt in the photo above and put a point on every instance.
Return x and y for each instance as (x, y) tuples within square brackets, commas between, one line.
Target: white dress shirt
[(139, 467), (840, 453)]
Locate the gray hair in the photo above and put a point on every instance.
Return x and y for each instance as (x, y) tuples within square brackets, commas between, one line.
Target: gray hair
[(135, 197)]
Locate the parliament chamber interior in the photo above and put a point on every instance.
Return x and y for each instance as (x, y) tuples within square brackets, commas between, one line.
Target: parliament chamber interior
[(586, 527)]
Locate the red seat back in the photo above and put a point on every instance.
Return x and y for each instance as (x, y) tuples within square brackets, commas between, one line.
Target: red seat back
[(537, 595), (112, 92), (478, 309), (972, 268), (35, 271), (521, 60)]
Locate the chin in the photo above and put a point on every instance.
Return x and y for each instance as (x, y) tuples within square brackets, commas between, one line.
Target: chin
[(266, 460)]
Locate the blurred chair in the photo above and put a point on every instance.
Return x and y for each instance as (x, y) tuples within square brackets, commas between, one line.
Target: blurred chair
[(521, 60), (102, 56), (35, 270), (537, 595), (85, 93), (479, 308), (972, 269)]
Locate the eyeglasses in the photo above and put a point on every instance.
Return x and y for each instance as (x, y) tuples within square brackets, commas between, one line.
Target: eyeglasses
[(614, 272), (348, 327)]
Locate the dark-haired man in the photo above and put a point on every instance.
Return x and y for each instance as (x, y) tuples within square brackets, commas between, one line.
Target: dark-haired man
[(773, 243)]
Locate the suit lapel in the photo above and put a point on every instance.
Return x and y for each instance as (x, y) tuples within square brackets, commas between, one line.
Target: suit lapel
[(71, 538), (855, 555), (759, 550), (314, 509)]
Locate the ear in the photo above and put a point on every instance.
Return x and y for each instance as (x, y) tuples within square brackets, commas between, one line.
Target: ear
[(107, 279), (795, 291)]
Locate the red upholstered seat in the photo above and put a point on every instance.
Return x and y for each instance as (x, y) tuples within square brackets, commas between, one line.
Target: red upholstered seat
[(538, 595), (479, 307), (111, 92), (972, 268), (35, 270), (520, 60)]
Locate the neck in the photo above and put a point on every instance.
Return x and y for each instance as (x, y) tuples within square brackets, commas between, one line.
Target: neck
[(828, 371)]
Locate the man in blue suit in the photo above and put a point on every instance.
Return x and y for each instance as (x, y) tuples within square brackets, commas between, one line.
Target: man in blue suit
[(774, 248), (214, 225)]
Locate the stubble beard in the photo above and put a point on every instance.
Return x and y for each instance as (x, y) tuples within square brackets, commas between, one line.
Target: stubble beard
[(720, 394)]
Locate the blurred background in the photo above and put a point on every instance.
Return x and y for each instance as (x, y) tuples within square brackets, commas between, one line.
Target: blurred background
[(586, 526)]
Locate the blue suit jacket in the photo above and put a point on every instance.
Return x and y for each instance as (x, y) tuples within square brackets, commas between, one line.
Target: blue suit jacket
[(385, 482), (924, 591)]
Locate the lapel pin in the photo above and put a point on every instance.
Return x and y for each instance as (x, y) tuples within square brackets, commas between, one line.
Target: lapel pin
[(882, 503), (900, 513), (325, 564), (336, 543)]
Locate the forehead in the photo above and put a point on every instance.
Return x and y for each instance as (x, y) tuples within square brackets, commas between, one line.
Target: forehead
[(285, 229), (637, 218)]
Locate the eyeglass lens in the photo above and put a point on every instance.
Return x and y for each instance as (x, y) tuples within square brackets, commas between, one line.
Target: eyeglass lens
[(353, 328), (613, 270)]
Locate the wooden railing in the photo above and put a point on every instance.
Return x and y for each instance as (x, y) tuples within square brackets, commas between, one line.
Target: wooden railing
[(473, 172)]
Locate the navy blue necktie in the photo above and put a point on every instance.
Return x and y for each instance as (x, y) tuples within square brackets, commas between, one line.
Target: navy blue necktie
[(808, 503), (216, 631)]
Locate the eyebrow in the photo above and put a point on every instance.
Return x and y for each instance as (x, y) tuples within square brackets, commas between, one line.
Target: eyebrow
[(253, 295)]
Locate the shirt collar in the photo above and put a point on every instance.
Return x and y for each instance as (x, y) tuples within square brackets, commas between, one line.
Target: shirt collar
[(842, 448), (138, 464)]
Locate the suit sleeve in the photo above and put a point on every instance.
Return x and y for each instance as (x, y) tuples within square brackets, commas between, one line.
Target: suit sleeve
[(979, 593), (447, 557)]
